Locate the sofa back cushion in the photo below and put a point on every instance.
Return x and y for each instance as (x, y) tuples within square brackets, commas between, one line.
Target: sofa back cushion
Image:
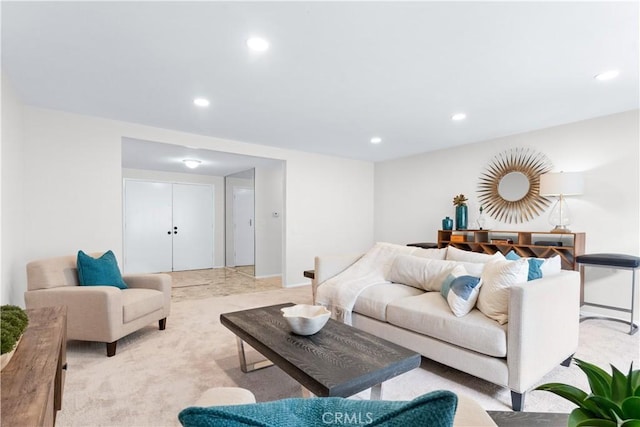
[(455, 254), (421, 273), (53, 272)]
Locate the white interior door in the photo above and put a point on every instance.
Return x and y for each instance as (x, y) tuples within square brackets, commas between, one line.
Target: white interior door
[(192, 227), (244, 226), (147, 227)]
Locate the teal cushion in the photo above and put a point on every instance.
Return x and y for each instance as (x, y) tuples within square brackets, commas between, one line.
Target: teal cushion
[(435, 409), (534, 265), (101, 271)]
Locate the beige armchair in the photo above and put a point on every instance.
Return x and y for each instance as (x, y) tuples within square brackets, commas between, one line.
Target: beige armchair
[(98, 313)]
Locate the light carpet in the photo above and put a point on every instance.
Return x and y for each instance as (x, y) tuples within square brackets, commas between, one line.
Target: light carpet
[(155, 374)]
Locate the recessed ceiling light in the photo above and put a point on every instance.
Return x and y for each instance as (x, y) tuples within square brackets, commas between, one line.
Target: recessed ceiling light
[(258, 44), (607, 75), (192, 163), (376, 140), (458, 116), (201, 102)]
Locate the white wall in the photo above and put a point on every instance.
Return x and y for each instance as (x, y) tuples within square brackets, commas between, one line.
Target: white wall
[(73, 189), (185, 178), (12, 223), (269, 193), (413, 194)]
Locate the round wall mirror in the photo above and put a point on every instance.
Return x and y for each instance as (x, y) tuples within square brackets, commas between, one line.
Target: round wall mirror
[(513, 186), (508, 190)]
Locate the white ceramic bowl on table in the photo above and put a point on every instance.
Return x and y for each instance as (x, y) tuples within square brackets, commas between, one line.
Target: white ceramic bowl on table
[(305, 319)]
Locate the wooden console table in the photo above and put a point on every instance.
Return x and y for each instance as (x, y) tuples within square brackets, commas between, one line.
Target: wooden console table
[(33, 380), (539, 244)]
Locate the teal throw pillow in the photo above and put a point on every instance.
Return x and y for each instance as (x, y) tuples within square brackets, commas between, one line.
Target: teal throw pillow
[(101, 271), (534, 265), (435, 409)]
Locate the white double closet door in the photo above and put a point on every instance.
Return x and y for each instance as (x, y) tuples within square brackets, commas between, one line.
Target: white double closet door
[(167, 226)]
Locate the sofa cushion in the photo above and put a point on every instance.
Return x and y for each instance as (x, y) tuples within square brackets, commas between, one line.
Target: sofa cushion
[(461, 291), (497, 278), (424, 273), (373, 301), (455, 254), (101, 271), (429, 314), (138, 302)]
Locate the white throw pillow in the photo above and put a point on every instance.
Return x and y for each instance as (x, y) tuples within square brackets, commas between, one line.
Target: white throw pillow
[(421, 273), (498, 276), (461, 291), (551, 266), (455, 254), (473, 268)]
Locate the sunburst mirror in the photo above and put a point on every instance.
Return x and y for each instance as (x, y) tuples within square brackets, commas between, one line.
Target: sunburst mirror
[(508, 190)]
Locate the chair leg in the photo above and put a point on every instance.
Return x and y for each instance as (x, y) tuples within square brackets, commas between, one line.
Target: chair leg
[(517, 401), (111, 348), (567, 361), (162, 324)]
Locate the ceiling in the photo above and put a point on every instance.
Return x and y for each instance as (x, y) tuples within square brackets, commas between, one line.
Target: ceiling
[(336, 73), (149, 155)]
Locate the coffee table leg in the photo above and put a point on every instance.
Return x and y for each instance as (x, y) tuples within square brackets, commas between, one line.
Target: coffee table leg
[(244, 367), (376, 392)]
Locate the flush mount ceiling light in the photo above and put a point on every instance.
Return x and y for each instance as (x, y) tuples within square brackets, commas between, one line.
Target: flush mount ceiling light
[(201, 102), (258, 44), (191, 163), (458, 116), (607, 75), (376, 140)]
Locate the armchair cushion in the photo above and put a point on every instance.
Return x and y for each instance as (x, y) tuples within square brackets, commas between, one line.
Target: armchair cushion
[(101, 271), (432, 409)]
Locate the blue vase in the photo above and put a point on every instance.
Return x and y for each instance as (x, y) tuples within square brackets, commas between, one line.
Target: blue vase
[(447, 224), (461, 217)]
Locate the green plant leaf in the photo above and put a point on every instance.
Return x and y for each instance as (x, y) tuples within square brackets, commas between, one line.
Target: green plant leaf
[(630, 423), (576, 416), (637, 391), (599, 379), (609, 409), (635, 378), (597, 422), (569, 392), (631, 408), (618, 385)]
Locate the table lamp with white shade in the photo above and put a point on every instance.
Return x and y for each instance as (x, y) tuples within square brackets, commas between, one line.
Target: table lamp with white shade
[(561, 184)]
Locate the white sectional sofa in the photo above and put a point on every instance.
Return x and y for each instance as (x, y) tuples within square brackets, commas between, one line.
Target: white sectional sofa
[(540, 333)]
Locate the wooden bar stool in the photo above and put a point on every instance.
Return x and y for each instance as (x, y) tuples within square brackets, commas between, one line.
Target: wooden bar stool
[(619, 261)]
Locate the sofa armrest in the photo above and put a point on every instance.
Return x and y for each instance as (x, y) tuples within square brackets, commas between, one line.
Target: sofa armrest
[(543, 327), (327, 266), (94, 313), (158, 282)]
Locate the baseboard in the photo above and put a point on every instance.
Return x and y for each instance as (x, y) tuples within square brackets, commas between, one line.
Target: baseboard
[(268, 276), (296, 285)]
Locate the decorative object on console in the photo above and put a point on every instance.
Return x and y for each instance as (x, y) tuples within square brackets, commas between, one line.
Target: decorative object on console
[(561, 184), (460, 203), (447, 224), (482, 220), (14, 322), (508, 189)]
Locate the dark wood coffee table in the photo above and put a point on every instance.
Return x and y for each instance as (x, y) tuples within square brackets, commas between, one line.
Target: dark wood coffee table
[(337, 361)]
